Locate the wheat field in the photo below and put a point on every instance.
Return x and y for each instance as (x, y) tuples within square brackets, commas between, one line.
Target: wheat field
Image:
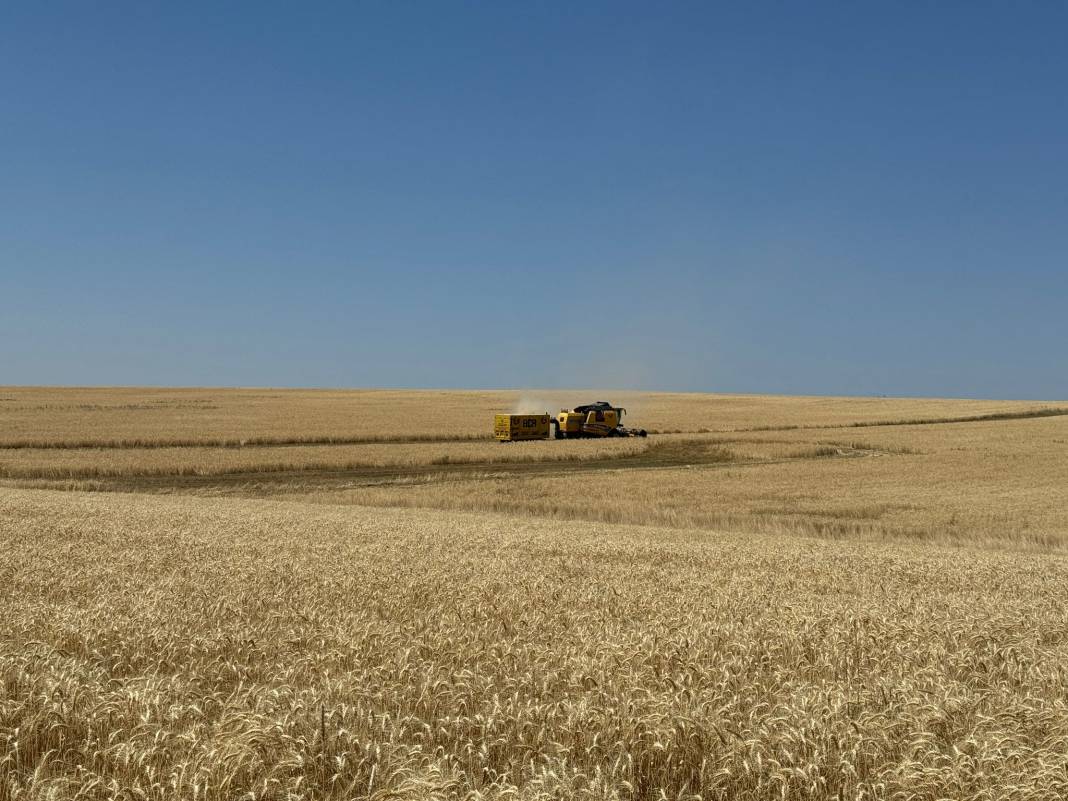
[(269, 594), (151, 417)]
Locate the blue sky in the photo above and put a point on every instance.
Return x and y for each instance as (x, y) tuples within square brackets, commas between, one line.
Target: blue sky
[(793, 197)]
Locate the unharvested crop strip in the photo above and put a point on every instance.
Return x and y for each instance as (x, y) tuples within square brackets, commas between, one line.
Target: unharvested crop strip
[(918, 421), (658, 456), (60, 472), (238, 442)]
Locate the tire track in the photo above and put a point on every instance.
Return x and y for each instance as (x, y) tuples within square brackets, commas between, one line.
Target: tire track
[(661, 456)]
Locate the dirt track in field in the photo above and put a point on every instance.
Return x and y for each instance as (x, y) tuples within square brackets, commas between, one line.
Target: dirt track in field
[(659, 456)]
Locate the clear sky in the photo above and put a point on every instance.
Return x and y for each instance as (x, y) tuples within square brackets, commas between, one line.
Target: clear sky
[(849, 198)]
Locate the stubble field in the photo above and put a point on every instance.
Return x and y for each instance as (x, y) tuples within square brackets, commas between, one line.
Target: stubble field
[(219, 594)]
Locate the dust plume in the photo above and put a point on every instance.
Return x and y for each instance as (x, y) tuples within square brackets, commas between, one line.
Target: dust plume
[(539, 403)]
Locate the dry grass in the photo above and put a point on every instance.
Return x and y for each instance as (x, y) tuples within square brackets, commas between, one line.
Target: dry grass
[(812, 612)]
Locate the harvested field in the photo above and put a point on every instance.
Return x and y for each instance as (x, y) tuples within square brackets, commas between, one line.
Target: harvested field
[(145, 418), (796, 599), (199, 461), (997, 484)]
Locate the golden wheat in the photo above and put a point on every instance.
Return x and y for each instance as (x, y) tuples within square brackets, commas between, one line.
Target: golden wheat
[(146, 417), (221, 648), (311, 646), (1001, 484), (187, 461)]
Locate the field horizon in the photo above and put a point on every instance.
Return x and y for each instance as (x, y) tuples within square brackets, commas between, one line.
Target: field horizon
[(308, 594)]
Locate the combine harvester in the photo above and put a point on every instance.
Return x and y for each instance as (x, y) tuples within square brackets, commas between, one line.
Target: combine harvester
[(600, 419)]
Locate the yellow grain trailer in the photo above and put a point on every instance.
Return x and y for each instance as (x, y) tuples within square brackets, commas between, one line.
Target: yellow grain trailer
[(516, 427)]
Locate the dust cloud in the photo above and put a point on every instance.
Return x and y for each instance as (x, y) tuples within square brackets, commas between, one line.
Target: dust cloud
[(627, 373), (539, 404)]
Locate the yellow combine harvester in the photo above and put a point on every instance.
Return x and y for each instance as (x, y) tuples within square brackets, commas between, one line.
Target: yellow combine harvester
[(599, 419)]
